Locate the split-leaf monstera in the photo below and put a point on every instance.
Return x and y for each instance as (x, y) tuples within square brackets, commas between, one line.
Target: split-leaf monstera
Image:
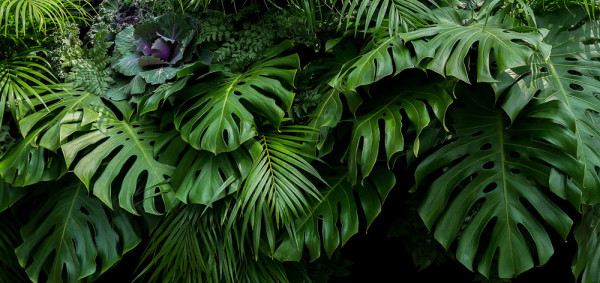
[(475, 124)]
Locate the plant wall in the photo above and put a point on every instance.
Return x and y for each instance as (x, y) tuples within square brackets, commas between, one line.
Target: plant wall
[(249, 141)]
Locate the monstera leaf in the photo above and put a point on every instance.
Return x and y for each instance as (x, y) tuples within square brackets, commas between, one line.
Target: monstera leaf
[(570, 74), (586, 264), (65, 112), (113, 146), (382, 57), (72, 236), (452, 41), (493, 177), (200, 176), (26, 163), (216, 116), (333, 219), (366, 135)]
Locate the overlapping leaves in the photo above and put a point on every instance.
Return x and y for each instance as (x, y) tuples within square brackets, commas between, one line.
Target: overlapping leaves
[(333, 219), (219, 115), (452, 42)]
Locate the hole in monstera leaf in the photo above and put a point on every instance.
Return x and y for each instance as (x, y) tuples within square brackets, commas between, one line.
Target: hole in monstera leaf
[(478, 133), (595, 59), (127, 139), (226, 138), (84, 211), (543, 69), (537, 92), (488, 165), (522, 42), (486, 146), (384, 114), (529, 242), (140, 132), (591, 41), (151, 143), (222, 174), (490, 187), (576, 87), (505, 31), (514, 154), (575, 73), (119, 132), (484, 241), (141, 139), (514, 171), (571, 59)]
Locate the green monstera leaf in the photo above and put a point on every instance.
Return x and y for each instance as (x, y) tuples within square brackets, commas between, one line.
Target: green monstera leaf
[(216, 117), (570, 74), (495, 176), (113, 145), (334, 219), (366, 135), (201, 177), (452, 41), (26, 163), (586, 264), (72, 236), (382, 57)]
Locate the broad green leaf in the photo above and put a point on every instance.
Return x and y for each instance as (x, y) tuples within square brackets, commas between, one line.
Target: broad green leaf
[(159, 75), (113, 146), (586, 263), (214, 117), (66, 111), (494, 176), (152, 101), (128, 65), (72, 236), (9, 195), (26, 164), (333, 219), (570, 74), (452, 40), (380, 58), (366, 135), (125, 41), (200, 176)]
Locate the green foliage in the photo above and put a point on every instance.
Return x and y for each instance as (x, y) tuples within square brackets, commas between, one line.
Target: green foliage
[(253, 131), (64, 50), (91, 72), (39, 15), (499, 170), (71, 233)]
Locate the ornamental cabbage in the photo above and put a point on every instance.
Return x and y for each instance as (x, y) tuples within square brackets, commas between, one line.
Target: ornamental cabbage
[(155, 51)]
